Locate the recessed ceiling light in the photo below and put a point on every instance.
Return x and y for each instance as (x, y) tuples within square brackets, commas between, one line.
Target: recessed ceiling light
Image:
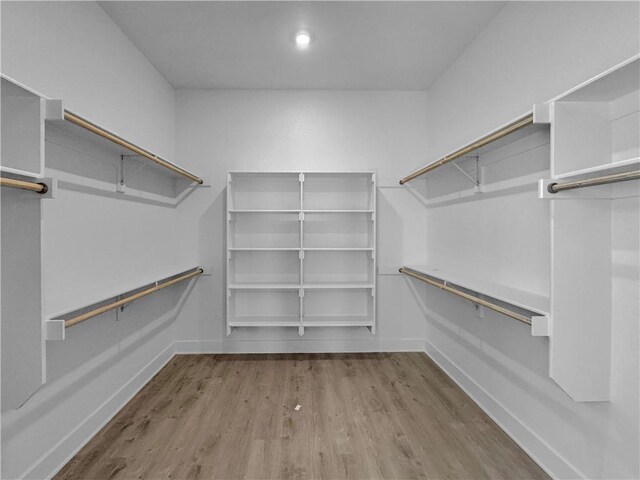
[(303, 39)]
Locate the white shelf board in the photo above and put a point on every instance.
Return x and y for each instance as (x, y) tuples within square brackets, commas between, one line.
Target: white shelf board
[(103, 294), (262, 211), (265, 286), (604, 169), (341, 286), (265, 321), (530, 301), (338, 249), (337, 211), (337, 321), (76, 131), (264, 249), (23, 173)]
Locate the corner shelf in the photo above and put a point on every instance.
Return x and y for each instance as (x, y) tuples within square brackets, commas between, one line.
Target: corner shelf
[(301, 245), (595, 132)]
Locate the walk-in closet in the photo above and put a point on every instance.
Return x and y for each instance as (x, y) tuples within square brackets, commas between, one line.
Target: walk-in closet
[(320, 240)]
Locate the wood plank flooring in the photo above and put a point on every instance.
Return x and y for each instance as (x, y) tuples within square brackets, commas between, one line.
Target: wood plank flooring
[(362, 416)]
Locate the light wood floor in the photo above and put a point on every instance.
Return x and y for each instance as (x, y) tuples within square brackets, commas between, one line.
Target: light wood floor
[(366, 416)]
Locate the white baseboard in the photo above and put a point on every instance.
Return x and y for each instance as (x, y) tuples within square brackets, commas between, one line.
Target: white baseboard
[(541, 452), (300, 346), (56, 458)]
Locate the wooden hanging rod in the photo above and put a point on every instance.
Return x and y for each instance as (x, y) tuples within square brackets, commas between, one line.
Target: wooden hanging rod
[(81, 122), (34, 187), (492, 137), (460, 293), (86, 316), (617, 177)]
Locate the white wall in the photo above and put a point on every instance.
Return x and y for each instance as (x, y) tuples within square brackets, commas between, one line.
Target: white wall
[(310, 130), (74, 51), (529, 53), (93, 244)]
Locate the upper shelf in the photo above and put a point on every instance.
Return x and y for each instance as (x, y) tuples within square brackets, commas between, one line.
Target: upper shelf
[(22, 126), (81, 127), (521, 123), (530, 301), (596, 126)]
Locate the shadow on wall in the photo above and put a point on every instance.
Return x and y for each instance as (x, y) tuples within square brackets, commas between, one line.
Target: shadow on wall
[(516, 369), (89, 166), (212, 244), (95, 346)]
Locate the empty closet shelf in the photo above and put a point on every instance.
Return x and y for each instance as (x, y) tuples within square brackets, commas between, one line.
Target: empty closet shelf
[(115, 301), (337, 321), (81, 127), (530, 301), (341, 286), (256, 210), (264, 286), (338, 211), (264, 249), (502, 132), (264, 321), (338, 249)]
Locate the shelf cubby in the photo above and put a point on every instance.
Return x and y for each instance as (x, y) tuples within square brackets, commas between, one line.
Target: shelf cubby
[(264, 267), (338, 307), (263, 308), (338, 230), (596, 125), (338, 191), (22, 130), (281, 230), (338, 267), (265, 191)]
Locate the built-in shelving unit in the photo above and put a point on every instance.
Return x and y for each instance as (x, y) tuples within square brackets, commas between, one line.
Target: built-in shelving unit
[(595, 134), (301, 249)]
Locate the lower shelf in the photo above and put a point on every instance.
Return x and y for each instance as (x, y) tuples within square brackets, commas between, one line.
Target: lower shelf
[(307, 322), (265, 321), (337, 321)]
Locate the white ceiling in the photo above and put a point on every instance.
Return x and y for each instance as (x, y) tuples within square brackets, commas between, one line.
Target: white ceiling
[(248, 45)]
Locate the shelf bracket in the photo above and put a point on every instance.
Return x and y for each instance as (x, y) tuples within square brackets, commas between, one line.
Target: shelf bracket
[(301, 330), (476, 180), (120, 187), (301, 178)]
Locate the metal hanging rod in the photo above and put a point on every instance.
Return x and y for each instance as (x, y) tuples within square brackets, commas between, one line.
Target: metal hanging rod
[(492, 137), (86, 316), (34, 187), (617, 177), (460, 293), (81, 122)]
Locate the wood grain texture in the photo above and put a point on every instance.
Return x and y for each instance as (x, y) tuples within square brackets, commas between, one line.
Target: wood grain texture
[(365, 416)]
